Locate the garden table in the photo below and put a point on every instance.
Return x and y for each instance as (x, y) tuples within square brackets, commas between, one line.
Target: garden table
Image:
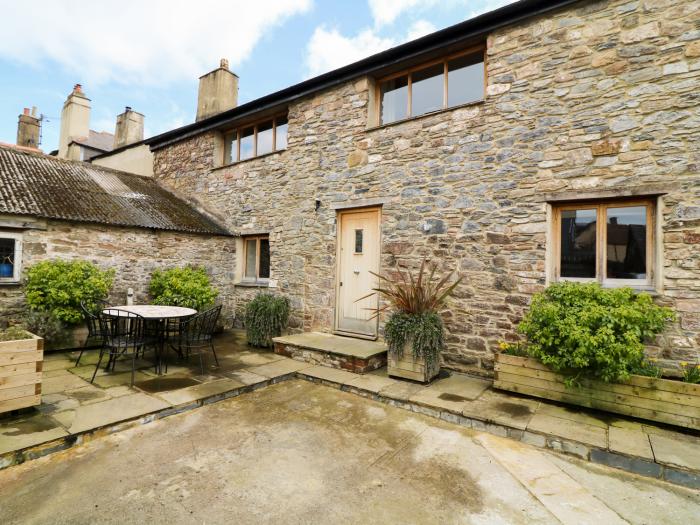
[(157, 314)]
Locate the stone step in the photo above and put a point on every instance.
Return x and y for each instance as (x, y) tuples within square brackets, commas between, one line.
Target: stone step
[(355, 355)]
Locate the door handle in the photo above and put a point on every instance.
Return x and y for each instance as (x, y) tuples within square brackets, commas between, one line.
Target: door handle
[(356, 272)]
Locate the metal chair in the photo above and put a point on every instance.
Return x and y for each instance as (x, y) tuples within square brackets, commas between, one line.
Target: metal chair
[(197, 333), (124, 335), (91, 316)]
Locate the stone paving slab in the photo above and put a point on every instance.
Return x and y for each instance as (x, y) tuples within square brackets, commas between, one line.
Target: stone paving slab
[(495, 407), (460, 385), (279, 368), (401, 390), (630, 442), (28, 431), (372, 382), (330, 374), (246, 377), (61, 383), (334, 344), (200, 391), (107, 412), (683, 453), (581, 432)]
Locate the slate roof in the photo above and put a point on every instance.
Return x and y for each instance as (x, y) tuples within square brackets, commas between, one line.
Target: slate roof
[(43, 186), (100, 140)]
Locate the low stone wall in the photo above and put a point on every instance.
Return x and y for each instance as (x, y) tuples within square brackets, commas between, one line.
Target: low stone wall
[(350, 363), (133, 252)]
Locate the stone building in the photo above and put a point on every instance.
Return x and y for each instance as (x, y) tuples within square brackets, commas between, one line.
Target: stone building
[(545, 140), (59, 209)]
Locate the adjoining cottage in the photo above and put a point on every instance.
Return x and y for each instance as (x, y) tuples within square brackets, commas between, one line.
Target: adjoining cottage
[(53, 208), (543, 141)]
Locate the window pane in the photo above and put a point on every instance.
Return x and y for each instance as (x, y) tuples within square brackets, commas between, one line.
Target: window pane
[(358, 241), (627, 242), (247, 143), (465, 79), (264, 258), (578, 243), (264, 138), (7, 258), (231, 144), (281, 133), (251, 247), (394, 99), (427, 90)]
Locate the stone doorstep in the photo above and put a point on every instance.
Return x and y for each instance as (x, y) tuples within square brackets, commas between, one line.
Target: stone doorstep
[(634, 464), (354, 355)]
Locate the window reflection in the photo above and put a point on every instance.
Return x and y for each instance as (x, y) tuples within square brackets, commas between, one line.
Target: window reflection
[(626, 242), (264, 272), (465, 79), (427, 90), (281, 134), (264, 138), (394, 95), (578, 243), (247, 143), (251, 249)]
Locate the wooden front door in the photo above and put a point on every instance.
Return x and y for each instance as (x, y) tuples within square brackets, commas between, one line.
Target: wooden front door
[(358, 255)]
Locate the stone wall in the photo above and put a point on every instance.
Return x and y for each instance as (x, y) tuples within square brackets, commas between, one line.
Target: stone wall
[(601, 96), (134, 253)]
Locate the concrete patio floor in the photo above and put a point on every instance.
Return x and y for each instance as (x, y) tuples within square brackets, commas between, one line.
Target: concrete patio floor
[(74, 411), (297, 452)]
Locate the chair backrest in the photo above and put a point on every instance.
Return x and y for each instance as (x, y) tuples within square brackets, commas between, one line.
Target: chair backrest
[(122, 329), (92, 314), (200, 327)]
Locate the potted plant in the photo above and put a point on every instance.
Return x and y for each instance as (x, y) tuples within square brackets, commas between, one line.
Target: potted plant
[(585, 346), (266, 316), (414, 332), (21, 358)]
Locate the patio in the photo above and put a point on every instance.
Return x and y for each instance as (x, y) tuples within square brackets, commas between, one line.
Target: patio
[(74, 411), (297, 452)]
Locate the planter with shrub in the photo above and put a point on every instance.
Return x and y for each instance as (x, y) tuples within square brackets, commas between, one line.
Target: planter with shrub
[(21, 360), (54, 290), (585, 346), (266, 316), (414, 332)]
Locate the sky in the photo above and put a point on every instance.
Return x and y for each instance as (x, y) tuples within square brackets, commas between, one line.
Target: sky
[(150, 54)]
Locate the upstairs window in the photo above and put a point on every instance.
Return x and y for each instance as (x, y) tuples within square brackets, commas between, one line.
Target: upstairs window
[(10, 257), (254, 140), (446, 83), (609, 242), (256, 258)]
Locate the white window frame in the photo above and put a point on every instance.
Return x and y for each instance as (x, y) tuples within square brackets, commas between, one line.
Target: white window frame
[(17, 267)]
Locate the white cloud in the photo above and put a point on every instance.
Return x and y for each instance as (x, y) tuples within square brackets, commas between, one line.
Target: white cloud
[(328, 49), (152, 41), (385, 12)]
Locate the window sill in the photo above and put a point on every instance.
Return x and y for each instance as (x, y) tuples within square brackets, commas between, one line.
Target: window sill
[(649, 288), (230, 164), (9, 282), (425, 115), (252, 284)]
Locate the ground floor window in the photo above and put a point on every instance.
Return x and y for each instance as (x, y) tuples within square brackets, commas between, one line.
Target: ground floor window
[(10, 256), (256, 257), (611, 242)]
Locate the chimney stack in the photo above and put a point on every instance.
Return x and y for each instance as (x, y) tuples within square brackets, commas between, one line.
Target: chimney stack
[(129, 128), (28, 129), (218, 91), (75, 122)]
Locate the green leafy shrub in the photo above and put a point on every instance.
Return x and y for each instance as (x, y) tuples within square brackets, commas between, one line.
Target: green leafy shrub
[(586, 331), (46, 325), (189, 287), (13, 333), (265, 317), (58, 287)]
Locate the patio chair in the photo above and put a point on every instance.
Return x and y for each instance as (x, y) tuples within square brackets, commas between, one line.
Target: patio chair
[(197, 334), (124, 335), (91, 316)]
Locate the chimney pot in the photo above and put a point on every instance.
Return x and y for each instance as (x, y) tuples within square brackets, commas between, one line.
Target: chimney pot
[(26, 111), (78, 88), (127, 108), (224, 63), (33, 111)]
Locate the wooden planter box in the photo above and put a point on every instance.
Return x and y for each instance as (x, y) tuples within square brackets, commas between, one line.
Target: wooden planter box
[(20, 373), (409, 368), (662, 400)]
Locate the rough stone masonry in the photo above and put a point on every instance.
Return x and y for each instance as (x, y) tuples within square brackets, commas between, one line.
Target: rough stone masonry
[(601, 96)]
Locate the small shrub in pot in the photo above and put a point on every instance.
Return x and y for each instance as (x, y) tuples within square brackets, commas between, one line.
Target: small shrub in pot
[(266, 316)]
